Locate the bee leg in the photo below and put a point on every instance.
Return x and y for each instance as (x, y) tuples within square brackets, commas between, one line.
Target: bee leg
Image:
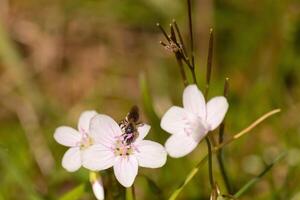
[(139, 124)]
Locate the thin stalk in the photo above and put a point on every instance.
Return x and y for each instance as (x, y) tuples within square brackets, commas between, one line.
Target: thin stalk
[(246, 130), (178, 48), (194, 76), (182, 72), (223, 170), (222, 126), (210, 172), (209, 138), (178, 56), (220, 155), (173, 35), (191, 32), (130, 194), (180, 37), (254, 180), (163, 31), (209, 60)]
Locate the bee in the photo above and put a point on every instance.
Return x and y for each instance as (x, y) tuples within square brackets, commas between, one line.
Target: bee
[(129, 126)]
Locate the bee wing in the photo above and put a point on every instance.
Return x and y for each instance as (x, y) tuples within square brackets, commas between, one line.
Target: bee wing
[(133, 114)]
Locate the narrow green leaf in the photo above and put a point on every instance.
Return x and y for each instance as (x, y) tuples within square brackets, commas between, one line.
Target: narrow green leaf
[(257, 178), (147, 100), (189, 177), (19, 176), (75, 193), (148, 106), (154, 188)]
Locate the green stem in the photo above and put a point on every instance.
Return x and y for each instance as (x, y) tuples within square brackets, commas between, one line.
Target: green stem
[(220, 155), (191, 31), (209, 61), (254, 180), (182, 72), (209, 138), (209, 150), (130, 195), (223, 170)]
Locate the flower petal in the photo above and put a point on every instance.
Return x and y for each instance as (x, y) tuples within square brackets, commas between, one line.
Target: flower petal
[(103, 129), (126, 169), (72, 159), (174, 120), (143, 131), (67, 136), (151, 154), (180, 145), (98, 157), (216, 110), (84, 120), (98, 189), (193, 101)]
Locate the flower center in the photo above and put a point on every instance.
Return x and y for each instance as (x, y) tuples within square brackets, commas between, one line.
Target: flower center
[(86, 141), (123, 149), (194, 126)]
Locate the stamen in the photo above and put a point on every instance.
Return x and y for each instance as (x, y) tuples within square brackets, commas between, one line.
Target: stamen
[(122, 149), (85, 142), (192, 123)]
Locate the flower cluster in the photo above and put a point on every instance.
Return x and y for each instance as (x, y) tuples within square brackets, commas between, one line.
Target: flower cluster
[(101, 143)]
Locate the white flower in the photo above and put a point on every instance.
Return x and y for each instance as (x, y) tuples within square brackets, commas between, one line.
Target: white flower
[(98, 189), (190, 124), (97, 185), (111, 150), (78, 141)]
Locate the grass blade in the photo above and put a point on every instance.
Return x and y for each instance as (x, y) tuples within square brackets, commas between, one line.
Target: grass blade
[(154, 188), (148, 105), (189, 177), (254, 180), (75, 193)]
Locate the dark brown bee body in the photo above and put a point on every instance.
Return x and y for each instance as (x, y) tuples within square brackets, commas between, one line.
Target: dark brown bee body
[(129, 126)]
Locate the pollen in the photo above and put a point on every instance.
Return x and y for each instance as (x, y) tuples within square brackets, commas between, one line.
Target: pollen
[(122, 149), (86, 142)]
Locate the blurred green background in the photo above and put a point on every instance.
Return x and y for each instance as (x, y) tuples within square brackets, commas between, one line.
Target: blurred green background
[(59, 58)]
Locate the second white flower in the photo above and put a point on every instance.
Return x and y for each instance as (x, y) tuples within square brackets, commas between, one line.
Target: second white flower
[(190, 124)]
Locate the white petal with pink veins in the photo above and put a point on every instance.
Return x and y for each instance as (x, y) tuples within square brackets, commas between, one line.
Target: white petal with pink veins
[(98, 157), (126, 169), (67, 136), (174, 120), (103, 129), (193, 101), (72, 159), (180, 145), (151, 154), (143, 131), (84, 120), (216, 110)]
